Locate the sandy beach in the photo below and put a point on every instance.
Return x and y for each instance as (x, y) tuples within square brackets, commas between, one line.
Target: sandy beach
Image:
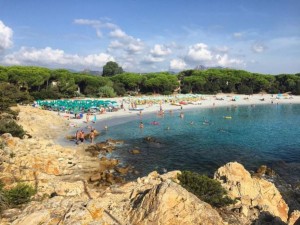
[(192, 103)]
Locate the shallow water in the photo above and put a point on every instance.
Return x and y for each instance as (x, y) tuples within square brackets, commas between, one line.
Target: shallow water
[(264, 134)]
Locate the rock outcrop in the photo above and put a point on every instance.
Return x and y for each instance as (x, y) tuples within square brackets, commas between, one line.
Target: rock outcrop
[(169, 203), (254, 195), (154, 199)]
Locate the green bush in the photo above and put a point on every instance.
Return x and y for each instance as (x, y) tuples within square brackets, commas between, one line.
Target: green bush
[(19, 195), (243, 89), (205, 188), (106, 91), (167, 92), (119, 89), (10, 126), (10, 95)]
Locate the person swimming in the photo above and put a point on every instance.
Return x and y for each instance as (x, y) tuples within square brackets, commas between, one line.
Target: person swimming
[(206, 122), (154, 123)]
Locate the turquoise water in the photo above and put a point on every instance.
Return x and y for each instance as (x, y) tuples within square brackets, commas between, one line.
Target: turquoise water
[(264, 134)]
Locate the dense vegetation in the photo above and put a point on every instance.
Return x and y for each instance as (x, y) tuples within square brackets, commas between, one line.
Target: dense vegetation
[(237, 81), (205, 188), (43, 83)]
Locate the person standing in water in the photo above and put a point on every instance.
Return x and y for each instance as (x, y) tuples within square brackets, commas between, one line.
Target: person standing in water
[(141, 125), (92, 136), (81, 136), (77, 136)]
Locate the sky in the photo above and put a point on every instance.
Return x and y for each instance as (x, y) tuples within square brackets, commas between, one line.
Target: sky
[(260, 36)]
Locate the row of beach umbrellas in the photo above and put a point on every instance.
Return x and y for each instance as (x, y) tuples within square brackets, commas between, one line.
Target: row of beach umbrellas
[(75, 105)]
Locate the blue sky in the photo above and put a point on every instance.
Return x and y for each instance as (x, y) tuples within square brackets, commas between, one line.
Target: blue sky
[(146, 36)]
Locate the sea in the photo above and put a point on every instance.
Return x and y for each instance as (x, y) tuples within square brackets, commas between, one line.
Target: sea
[(207, 138)]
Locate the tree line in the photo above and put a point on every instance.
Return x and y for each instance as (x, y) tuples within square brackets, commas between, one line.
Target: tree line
[(30, 82)]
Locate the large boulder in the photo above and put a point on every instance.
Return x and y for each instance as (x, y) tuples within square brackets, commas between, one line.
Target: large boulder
[(252, 193), (169, 203)]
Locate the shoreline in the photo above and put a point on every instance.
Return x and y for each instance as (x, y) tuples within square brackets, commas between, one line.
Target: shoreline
[(208, 101)]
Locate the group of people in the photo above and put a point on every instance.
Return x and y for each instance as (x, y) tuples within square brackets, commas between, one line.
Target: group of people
[(80, 136)]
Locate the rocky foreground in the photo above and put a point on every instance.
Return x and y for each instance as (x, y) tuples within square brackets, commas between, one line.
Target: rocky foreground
[(75, 187)]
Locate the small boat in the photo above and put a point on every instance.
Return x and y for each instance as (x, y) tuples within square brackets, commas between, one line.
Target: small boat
[(227, 117)]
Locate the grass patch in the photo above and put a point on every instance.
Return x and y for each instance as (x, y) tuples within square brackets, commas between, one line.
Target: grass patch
[(15, 196)]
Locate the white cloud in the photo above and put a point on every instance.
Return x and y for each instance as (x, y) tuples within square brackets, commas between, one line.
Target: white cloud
[(55, 58), (128, 43), (97, 24), (160, 50), (199, 53), (225, 61), (258, 48), (150, 59), (115, 44), (136, 46), (6, 34), (177, 64), (118, 33), (87, 22), (123, 42)]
